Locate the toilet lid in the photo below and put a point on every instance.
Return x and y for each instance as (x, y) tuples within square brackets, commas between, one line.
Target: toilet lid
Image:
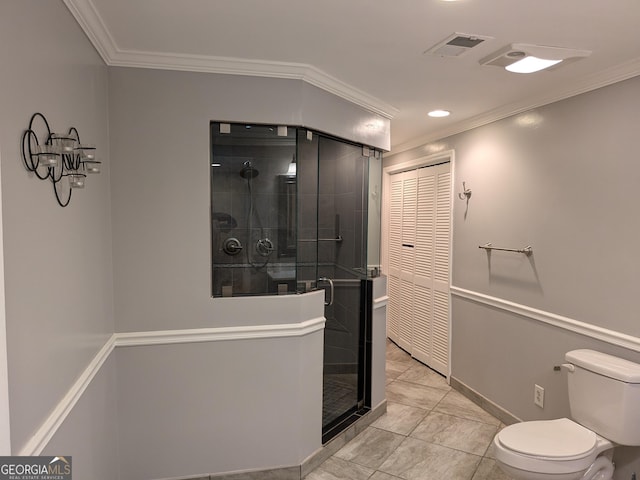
[(549, 438)]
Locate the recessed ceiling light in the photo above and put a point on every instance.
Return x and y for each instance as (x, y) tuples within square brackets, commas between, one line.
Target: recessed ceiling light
[(439, 113)]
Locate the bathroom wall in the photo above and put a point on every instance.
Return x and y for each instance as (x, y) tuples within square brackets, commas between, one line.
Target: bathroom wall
[(210, 401), (159, 125), (214, 407), (560, 178), (57, 261), (89, 433)]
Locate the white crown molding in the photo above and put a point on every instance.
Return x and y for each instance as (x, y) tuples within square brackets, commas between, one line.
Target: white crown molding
[(254, 68), (94, 27), (47, 430), (96, 30), (603, 334), (610, 76)]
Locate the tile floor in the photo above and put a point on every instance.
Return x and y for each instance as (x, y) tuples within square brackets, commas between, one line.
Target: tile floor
[(430, 432)]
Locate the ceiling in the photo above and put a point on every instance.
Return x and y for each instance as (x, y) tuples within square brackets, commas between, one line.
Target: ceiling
[(371, 51)]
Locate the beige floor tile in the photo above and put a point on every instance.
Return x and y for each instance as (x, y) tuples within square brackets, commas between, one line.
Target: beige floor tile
[(396, 354), (370, 448), (400, 418), (418, 460), (491, 451), (467, 435), (394, 369), (338, 469), (414, 395), (489, 470), (448, 433), (458, 405), (383, 476), (423, 375)]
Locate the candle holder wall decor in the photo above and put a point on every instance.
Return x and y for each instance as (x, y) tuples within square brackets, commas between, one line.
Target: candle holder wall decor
[(62, 155)]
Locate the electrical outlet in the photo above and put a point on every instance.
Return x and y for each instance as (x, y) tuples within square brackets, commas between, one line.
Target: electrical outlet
[(538, 396)]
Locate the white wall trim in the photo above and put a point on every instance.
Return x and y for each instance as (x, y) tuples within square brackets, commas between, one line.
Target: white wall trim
[(96, 30), (47, 430), (94, 27), (603, 334), (198, 335), (380, 302), (89, 19), (591, 82), (254, 68)]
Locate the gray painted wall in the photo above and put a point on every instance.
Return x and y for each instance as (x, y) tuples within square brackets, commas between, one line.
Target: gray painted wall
[(159, 126), (223, 406), (155, 181), (89, 433), (559, 178), (58, 276), (219, 407)]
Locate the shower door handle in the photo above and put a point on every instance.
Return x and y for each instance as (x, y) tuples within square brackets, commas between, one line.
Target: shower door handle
[(325, 279)]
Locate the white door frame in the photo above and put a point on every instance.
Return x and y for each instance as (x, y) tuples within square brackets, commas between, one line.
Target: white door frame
[(440, 157)]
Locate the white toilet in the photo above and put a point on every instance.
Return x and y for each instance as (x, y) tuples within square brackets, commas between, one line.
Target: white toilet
[(604, 397)]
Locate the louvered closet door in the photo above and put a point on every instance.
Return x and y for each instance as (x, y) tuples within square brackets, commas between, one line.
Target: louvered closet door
[(431, 273), (419, 242), (402, 235)]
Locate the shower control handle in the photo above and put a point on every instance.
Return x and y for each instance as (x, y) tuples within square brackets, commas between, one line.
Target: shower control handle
[(325, 279), (232, 246)]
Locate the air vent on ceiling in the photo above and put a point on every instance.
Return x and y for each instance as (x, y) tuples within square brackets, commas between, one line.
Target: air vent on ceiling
[(456, 45)]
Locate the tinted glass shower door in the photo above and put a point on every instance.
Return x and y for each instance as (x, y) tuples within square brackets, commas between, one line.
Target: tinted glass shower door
[(342, 261)]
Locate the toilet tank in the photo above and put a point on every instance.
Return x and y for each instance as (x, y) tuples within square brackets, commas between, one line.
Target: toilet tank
[(604, 395)]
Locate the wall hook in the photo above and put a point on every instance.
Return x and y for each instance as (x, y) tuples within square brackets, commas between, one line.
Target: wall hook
[(466, 194)]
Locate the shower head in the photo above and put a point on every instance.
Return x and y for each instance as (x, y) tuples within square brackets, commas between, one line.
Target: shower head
[(248, 171)]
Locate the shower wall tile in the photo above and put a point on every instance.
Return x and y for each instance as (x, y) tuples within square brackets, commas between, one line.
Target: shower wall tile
[(221, 277), (307, 273)]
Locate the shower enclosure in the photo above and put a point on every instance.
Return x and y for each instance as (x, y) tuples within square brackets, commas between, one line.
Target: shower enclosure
[(290, 214)]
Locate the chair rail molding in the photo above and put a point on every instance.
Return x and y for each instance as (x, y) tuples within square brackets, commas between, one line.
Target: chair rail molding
[(47, 430), (612, 337)]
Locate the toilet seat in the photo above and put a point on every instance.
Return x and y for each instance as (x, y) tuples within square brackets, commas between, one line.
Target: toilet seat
[(547, 446)]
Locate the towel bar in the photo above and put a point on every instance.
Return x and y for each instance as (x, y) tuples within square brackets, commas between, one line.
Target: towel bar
[(528, 250)]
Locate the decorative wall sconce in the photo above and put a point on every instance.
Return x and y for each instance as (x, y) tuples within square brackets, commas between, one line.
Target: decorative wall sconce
[(60, 156)]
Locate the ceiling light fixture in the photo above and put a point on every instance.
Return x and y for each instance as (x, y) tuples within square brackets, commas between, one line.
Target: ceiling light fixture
[(527, 58), (530, 65), (439, 113)]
